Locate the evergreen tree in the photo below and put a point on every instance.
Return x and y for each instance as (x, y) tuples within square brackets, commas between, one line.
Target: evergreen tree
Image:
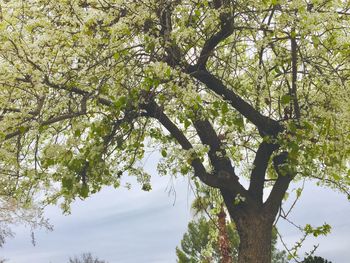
[(200, 244), (315, 259)]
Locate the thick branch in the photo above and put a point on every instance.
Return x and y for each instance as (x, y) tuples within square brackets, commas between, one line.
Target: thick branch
[(173, 51), (257, 179), (265, 125), (209, 137), (222, 165), (274, 201), (225, 31), (153, 110)]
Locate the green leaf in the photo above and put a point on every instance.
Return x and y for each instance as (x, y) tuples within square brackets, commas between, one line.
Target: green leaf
[(285, 99), (216, 104), (84, 191), (315, 41), (22, 129), (293, 34), (224, 109), (67, 183), (164, 153), (120, 102), (299, 191), (184, 170), (168, 72), (239, 122), (77, 133), (187, 123), (146, 187), (116, 56)]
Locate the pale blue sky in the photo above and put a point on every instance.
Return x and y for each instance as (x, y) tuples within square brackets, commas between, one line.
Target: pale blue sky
[(132, 226), (116, 225)]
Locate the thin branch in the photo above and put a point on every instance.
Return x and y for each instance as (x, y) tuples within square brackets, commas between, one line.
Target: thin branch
[(294, 54), (75, 90)]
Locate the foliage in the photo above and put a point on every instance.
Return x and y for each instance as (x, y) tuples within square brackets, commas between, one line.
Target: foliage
[(315, 259), (80, 82), (86, 258), (13, 212), (200, 243), (224, 89)]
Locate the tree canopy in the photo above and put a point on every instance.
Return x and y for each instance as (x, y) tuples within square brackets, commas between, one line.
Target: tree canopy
[(86, 258), (315, 259), (224, 89)]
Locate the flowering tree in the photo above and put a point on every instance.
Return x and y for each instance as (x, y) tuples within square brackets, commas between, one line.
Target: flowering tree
[(223, 89), (14, 212)]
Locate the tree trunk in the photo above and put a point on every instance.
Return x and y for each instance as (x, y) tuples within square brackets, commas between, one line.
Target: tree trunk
[(255, 239)]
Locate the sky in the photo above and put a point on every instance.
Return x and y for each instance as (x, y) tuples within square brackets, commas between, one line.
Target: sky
[(117, 225), (131, 226)]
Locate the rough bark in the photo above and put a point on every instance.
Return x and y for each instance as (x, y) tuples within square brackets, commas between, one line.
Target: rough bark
[(254, 226), (255, 239)]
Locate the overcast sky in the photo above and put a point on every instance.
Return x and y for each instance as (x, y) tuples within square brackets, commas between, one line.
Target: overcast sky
[(133, 226)]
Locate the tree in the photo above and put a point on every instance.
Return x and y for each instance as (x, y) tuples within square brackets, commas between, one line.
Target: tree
[(86, 258), (200, 243), (224, 89), (208, 202), (315, 259), (13, 212), (212, 237)]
